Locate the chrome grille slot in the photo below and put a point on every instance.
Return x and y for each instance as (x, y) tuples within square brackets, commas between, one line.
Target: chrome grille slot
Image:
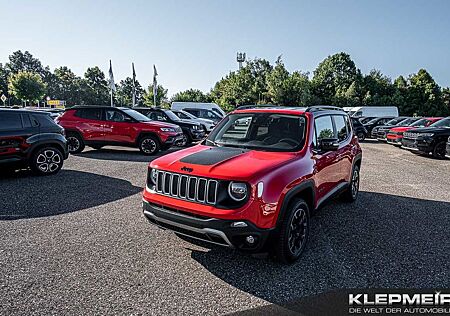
[(187, 187)]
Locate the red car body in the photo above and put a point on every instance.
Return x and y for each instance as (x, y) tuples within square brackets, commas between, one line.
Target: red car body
[(308, 173), (395, 135), (100, 131)]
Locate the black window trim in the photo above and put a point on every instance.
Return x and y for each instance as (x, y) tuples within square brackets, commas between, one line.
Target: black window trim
[(346, 127)]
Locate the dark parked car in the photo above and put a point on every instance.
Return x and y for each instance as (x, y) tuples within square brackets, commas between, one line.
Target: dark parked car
[(31, 139), (378, 121), (359, 129), (382, 131), (366, 119), (447, 154), (390, 123), (192, 131), (428, 140)]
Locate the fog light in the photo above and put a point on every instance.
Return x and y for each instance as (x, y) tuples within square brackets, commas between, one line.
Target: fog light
[(250, 240), (239, 224)]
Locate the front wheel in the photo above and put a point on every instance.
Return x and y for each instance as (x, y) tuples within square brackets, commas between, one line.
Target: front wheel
[(351, 193), (439, 150), (361, 136), (46, 161), (149, 145), (294, 233)]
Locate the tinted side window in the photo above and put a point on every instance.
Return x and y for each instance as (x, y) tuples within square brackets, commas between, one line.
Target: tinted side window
[(26, 121), (114, 116), (44, 119), (341, 127), (10, 121), (90, 114), (324, 128)]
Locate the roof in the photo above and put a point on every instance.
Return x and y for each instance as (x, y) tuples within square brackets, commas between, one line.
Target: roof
[(288, 109), (22, 110)]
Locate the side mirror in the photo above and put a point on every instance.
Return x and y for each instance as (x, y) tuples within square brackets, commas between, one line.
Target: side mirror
[(329, 144)]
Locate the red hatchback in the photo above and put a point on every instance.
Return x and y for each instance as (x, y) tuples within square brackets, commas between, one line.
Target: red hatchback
[(98, 126), (395, 135), (254, 182)]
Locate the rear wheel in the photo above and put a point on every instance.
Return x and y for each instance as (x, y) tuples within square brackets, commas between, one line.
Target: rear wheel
[(439, 150), (351, 193), (293, 233), (149, 145), (47, 161), (75, 143)]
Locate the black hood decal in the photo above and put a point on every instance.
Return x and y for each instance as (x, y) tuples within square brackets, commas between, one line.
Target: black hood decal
[(213, 155)]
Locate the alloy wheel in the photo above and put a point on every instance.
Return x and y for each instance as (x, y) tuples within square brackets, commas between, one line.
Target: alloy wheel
[(355, 183), (297, 231), (73, 144), (148, 146), (48, 161)]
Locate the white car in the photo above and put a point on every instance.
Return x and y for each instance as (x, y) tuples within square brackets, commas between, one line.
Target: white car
[(207, 124)]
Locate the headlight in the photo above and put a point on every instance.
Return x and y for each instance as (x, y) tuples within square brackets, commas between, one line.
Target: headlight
[(427, 134), (237, 191), (153, 175), (195, 127), (167, 129)]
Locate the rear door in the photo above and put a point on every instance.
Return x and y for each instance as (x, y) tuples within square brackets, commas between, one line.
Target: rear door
[(327, 173), (344, 135), (15, 129), (118, 127), (91, 124)]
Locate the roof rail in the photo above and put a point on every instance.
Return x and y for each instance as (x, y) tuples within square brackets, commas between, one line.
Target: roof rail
[(255, 106), (323, 108)]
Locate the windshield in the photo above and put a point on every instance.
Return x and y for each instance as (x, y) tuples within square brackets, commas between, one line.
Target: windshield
[(420, 123), (185, 115), (394, 121), (373, 121), (263, 131), (136, 115), (442, 123), (406, 122), (171, 115)]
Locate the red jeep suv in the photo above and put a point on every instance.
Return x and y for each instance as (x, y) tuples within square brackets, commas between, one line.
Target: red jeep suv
[(254, 182), (98, 126)]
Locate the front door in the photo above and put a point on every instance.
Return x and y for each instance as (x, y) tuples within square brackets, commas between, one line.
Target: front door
[(118, 127)]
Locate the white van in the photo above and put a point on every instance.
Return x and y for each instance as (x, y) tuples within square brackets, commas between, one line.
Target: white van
[(373, 111), (209, 111)]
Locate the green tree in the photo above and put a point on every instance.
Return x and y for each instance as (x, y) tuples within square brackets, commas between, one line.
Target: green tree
[(161, 96), (378, 88), (26, 86), (191, 95), (446, 101), (19, 61), (424, 95), (65, 85), (124, 94), (333, 77), (94, 87)]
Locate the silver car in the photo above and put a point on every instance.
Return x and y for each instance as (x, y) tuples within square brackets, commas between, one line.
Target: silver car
[(207, 124)]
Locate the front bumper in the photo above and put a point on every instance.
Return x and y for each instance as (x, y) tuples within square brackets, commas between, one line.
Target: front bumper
[(208, 229), (394, 140), (418, 145), (197, 134), (170, 140)]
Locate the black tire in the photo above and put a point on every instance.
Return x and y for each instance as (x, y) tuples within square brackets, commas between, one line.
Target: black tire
[(351, 193), (46, 161), (361, 136), (75, 143), (294, 232), (97, 147), (186, 140), (149, 145), (439, 150)]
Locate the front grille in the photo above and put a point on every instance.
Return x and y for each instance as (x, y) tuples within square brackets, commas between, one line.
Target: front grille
[(190, 188), (410, 135)]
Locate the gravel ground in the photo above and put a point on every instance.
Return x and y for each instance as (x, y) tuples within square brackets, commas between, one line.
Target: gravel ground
[(77, 243)]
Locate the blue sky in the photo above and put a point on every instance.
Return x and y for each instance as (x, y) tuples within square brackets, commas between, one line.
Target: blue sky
[(194, 43)]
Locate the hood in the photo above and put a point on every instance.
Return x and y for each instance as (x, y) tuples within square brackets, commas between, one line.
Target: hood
[(206, 121), (222, 162), (432, 130), (401, 129), (159, 124), (188, 121)]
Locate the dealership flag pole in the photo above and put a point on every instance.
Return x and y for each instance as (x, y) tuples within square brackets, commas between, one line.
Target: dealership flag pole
[(134, 85), (112, 86), (155, 85)]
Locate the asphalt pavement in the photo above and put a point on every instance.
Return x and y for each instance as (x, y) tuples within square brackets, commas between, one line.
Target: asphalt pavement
[(77, 243)]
